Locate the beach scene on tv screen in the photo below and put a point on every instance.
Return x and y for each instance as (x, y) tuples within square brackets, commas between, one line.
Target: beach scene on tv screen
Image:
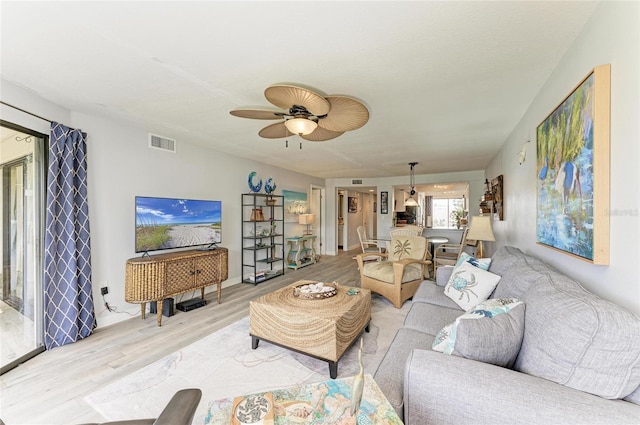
[(163, 223)]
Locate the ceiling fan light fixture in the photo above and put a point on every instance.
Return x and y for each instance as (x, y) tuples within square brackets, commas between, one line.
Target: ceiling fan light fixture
[(301, 126)]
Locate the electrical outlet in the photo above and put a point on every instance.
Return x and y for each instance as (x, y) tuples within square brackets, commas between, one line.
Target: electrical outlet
[(104, 290)]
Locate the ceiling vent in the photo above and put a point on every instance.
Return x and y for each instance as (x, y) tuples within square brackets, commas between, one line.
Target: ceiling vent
[(358, 181), (163, 143)]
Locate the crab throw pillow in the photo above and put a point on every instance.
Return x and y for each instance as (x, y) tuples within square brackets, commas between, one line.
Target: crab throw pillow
[(470, 285)]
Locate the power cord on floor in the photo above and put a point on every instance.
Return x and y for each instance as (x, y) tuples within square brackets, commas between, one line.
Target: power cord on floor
[(113, 308), (106, 305)]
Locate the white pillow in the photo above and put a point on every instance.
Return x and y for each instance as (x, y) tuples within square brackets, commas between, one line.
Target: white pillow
[(470, 285)]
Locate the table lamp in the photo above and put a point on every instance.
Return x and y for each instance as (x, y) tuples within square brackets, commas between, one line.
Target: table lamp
[(480, 230), (306, 219)]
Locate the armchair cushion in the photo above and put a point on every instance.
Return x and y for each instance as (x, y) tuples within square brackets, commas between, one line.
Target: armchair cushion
[(383, 271)]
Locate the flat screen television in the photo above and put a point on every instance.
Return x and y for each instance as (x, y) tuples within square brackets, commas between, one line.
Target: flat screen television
[(166, 223)]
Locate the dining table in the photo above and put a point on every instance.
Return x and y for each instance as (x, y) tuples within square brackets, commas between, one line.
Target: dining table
[(436, 240)]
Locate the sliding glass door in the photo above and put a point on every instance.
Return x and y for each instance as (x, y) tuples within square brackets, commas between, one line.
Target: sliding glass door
[(21, 206)]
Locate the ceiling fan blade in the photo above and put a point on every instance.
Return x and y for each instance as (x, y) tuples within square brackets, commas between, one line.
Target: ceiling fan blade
[(257, 114), (321, 134), (285, 96), (275, 131), (346, 114)]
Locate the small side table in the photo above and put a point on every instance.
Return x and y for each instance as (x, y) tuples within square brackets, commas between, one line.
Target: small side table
[(299, 254)]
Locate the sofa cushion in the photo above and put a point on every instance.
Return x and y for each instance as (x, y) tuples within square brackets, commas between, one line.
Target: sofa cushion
[(390, 373), (524, 272), (443, 273), (491, 333), (429, 292), (430, 318), (469, 285), (577, 339), (634, 397), (506, 258)]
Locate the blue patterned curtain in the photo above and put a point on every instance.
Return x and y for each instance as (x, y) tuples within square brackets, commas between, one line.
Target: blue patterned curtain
[(69, 312), (428, 211)]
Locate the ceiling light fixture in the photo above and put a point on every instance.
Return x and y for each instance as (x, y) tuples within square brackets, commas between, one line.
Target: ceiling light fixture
[(411, 202), (301, 126)]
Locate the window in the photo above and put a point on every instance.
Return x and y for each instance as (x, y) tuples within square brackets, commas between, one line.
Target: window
[(442, 212)]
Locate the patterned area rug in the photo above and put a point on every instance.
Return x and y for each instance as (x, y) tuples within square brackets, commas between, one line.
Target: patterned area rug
[(223, 365)]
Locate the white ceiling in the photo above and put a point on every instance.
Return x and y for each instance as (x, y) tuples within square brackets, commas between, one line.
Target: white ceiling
[(445, 82)]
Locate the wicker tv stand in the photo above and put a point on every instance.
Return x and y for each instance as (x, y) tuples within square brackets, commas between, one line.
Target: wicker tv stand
[(157, 277)]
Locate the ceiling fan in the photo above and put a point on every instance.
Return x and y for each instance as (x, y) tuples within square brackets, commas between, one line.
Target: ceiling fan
[(308, 114)]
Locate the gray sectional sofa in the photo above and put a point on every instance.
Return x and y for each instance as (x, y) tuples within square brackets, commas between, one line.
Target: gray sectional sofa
[(578, 361)]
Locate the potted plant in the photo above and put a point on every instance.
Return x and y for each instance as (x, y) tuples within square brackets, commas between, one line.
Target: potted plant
[(457, 215)]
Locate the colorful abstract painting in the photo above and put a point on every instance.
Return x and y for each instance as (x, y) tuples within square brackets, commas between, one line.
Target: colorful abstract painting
[(295, 203), (565, 169)]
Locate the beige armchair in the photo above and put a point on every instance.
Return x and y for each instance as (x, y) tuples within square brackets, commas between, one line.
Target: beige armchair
[(447, 254), (398, 277)]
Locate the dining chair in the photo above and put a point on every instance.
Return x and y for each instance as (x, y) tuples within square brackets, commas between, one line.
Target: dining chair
[(447, 254), (369, 245), (406, 231)]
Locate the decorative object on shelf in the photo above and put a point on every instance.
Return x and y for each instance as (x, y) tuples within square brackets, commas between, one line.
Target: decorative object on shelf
[(269, 186), (256, 215), (306, 219), (480, 230), (295, 203), (384, 202), (410, 202), (254, 187), (315, 291), (573, 171), (496, 192), (308, 114), (353, 204)]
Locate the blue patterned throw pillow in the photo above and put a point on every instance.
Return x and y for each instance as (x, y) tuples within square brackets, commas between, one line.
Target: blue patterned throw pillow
[(481, 263), (491, 332)]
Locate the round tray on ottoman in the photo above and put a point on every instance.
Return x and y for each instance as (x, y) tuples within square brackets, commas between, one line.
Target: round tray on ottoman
[(315, 291)]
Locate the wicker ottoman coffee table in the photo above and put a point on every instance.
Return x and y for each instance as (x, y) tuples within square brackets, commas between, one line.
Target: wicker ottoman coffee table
[(321, 328)]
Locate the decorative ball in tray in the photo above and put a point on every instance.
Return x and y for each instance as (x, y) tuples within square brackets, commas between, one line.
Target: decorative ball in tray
[(315, 291)]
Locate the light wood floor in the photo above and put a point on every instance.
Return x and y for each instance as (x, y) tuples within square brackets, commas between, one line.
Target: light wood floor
[(49, 388)]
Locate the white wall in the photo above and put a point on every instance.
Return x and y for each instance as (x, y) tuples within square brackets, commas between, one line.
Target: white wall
[(611, 36), (121, 166)]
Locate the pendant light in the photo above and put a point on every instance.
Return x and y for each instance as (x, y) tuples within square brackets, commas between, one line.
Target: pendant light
[(411, 202)]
